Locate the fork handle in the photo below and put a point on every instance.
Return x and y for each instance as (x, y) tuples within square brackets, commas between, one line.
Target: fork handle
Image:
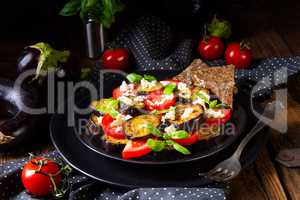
[(259, 125)]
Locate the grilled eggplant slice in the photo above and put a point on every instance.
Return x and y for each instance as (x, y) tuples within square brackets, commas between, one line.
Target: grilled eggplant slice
[(131, 110), (191, 122), (137, 126), (112, 145)]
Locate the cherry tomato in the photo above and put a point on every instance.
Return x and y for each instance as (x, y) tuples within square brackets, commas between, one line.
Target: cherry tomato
[(107, 120), (218, 121), (36, 179), (116, 59), (135, 149), (117, 92), (211, 48), (114, 132), (239, 55), (192, 139), (157, 101)]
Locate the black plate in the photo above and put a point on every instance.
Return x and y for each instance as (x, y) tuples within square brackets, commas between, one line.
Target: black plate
[(199, 151), (130, 175)]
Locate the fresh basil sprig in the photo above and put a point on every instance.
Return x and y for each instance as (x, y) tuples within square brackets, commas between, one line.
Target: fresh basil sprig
[(154, 131), (158, 112), (169, 89), (134, 78), (149, 78), (109, 106), (178, 147), (156, 145), (181, 134), (203, 97), (103, 11)]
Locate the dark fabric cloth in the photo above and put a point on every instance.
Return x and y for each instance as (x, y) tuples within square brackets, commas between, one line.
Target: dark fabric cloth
[(83, 187)]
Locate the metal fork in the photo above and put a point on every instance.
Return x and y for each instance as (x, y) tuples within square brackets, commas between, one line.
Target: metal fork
[(231, 167)]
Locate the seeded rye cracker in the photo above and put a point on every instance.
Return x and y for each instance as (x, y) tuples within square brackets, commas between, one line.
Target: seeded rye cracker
[(220, 80)]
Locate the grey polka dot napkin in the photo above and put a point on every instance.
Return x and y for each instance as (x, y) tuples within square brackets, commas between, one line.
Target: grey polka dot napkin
[(154, 46), (83, 187)]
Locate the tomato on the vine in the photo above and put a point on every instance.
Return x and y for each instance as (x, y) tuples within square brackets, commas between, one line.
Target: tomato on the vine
[(115, 59), (211, 48), (238, 54), (37, 175)]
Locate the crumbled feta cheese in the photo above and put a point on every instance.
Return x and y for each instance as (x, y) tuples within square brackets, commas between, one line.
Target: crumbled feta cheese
[(126, 100), (169, 115), (184, 91), (186, 113), (124, 87), (199, 101), (147, 84), (119, 128), (99, 119), (139, 98), (170, 129), (127, 117), (118, 121), (211, 113)]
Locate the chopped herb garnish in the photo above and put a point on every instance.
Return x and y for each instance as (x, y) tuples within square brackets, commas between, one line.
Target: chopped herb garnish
[(213, 104), (169, 89), (178, 147), (134, 78), (154, 131), (158, 112), (181, 134), (149, 78), (203, 97), (156, 145)]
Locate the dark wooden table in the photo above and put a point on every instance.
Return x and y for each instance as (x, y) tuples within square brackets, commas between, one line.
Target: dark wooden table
[(273, 29)]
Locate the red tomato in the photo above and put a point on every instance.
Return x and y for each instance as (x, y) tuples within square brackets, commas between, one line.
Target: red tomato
[(36, 182), (156, 101), (115, 59), (135, 148), (218, 121), (239, 55), (114, 132), (107, 120), (187, 141), (117, 93), (211, 49)]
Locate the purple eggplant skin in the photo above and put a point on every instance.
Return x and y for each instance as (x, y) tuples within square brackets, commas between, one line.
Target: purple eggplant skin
[(129, 110), (28, 59)]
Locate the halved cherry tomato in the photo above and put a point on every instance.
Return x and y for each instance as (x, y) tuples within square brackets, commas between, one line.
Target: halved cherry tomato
[(114, 132), (187, 141), (135, 149), (117, 92), (218, 121), (107, 120), (156, 101)]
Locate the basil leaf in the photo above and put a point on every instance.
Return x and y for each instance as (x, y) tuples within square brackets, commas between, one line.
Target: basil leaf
[(157, 112), (156, 145), (109, 106), (149, 78), (134, 78), (203, 97), (181, 134), (178, 147), (110, 8), (70, 8), (169, 89), (213, 104), (154, 131), (181, 149), (222, 105)]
